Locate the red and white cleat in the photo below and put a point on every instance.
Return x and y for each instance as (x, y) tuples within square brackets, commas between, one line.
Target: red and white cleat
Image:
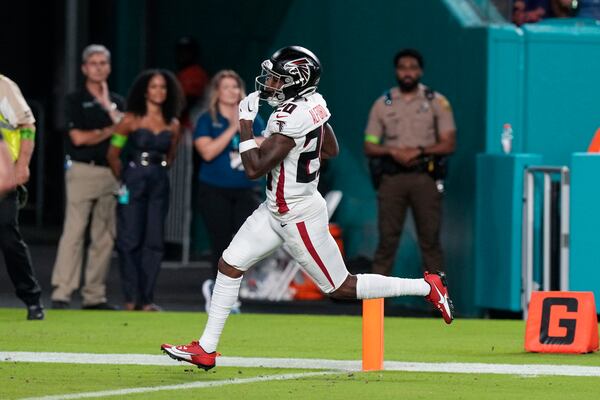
[(192, 353), (439, 295)]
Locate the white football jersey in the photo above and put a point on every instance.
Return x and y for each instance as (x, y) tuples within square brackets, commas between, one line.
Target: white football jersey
[(292, 185)]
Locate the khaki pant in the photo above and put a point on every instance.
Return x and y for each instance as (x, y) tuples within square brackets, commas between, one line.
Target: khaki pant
[(396, 193), (90, 190)]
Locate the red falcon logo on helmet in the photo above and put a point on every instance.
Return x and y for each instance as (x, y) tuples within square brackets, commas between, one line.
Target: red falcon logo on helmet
[(300, 67)]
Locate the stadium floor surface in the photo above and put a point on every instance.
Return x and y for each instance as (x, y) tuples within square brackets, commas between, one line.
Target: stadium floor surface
[(420, 347)]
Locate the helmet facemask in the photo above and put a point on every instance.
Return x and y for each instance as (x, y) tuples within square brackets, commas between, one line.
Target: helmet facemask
[(290, 73), (271, 85)]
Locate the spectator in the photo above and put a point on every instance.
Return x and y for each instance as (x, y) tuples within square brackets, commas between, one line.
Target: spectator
[(226, 196), (192, 77), (18, 131), (152, 131), (92, 113), (409, 126), (529, 11)]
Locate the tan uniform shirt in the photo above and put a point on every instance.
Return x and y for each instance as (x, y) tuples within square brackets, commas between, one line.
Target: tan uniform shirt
[(14, 111), (12, 104), (409, 123)]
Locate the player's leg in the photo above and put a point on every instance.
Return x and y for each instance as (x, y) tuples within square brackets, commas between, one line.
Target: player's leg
[(372, 286), (254, 241), (315, 249)]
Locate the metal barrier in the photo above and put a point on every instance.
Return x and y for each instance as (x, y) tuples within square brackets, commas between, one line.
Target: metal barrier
[(179, 217), (527, 279)]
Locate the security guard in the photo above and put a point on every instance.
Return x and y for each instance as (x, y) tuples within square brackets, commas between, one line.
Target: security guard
[(409, 125), (18, 130)]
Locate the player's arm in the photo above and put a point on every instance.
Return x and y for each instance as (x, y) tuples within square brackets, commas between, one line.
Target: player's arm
[(260, 160), (118, 141), (330, 147)]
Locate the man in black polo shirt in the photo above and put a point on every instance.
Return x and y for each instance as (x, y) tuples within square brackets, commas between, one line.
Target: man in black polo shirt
[(92, 114)]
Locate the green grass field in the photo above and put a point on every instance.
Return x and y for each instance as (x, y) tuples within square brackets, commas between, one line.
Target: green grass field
[(281, 336)]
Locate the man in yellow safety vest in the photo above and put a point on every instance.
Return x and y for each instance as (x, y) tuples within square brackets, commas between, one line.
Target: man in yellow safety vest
[(18, 131)]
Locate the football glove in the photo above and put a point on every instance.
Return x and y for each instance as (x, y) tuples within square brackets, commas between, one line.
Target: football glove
[(249, 106)]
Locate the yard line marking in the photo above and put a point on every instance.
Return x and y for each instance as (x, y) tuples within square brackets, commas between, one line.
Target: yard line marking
[(183, 386), (306, 363)]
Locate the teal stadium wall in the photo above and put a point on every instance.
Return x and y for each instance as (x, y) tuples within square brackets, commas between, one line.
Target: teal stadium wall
[(543, 79)]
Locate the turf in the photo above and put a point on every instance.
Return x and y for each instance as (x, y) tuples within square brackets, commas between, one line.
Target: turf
[(263, 335), (287, 336), (402, 385), (18, 380)]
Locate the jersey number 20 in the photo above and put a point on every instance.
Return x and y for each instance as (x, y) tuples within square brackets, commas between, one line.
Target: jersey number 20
[(303, 175)]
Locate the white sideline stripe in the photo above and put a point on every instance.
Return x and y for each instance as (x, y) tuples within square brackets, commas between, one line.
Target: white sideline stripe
[(183, 386), (306, 363)]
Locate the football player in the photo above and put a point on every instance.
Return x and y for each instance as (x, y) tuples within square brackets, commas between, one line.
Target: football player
[(298, 137)]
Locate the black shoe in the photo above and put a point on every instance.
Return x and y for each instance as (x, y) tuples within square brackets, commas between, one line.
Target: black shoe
[(35, 312), (101, 306), (60, 305)]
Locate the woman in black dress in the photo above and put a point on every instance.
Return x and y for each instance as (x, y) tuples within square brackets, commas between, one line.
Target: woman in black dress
[(151, 130)]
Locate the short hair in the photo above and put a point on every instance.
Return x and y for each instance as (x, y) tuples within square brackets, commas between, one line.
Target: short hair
[(174, 103), (94, 49), (409, 53)]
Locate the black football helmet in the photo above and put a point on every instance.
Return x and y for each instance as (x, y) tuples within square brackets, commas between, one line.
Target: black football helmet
[(290, 72)]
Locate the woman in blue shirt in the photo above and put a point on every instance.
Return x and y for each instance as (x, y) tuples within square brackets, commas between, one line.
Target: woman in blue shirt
[(226, 196)]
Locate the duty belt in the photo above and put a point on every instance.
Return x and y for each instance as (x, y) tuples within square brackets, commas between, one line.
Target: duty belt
[(145, 159), (391, 167)]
